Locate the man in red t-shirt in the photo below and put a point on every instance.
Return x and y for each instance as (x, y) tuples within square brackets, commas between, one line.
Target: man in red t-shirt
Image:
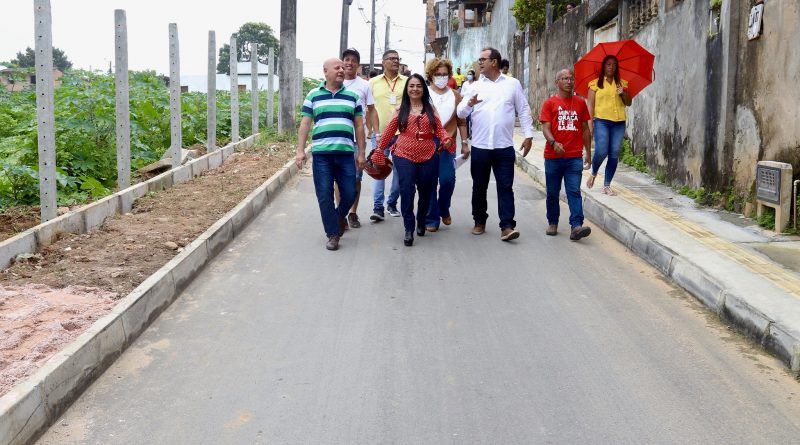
[(565, 124), (452, 84)]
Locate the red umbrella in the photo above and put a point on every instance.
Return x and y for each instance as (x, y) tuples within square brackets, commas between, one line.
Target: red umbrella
[(635, 65)]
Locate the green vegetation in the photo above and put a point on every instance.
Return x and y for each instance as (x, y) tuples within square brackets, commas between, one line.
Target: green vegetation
[(533, 12), (85, 120), (715, 4), (767, 218), (700, 195), (255, 32), (728, 199), (628, 157), (27, 59)]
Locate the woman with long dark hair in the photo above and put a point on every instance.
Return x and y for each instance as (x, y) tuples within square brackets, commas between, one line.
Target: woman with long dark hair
[(608, 97), (413, 152)]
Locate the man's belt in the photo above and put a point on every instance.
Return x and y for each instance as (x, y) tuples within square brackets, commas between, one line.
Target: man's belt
[(424, 136)]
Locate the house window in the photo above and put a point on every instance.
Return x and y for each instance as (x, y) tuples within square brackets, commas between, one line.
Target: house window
[(641, 12)]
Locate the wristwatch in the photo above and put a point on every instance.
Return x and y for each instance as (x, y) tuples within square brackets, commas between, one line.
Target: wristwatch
[(552, 143)]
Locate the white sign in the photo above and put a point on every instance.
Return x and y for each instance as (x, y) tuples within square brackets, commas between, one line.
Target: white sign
[(754, 23)]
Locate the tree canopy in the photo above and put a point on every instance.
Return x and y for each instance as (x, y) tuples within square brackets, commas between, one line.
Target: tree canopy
[(256, 32), (28, 59), (532, 12)]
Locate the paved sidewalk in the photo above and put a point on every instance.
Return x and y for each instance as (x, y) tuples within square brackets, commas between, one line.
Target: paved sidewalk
[(738, 270)]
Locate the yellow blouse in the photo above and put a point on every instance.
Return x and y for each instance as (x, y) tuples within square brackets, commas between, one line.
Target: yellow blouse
[(607, 103)]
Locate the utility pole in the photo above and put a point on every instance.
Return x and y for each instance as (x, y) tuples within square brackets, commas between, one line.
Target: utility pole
[(286, 67), (372, 39), (386, 39), (345, 25)]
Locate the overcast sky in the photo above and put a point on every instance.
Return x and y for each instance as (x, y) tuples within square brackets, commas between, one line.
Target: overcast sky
[(84, 29)]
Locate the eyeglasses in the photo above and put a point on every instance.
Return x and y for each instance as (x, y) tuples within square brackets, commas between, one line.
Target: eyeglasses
[(483, 59), (393, 59)]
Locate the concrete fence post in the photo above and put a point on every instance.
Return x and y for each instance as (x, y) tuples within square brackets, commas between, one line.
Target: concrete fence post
[(176, 140), (270, 88), (234, 69), (211, 131), (254, 87), (45, 109), (300, 95), (281, 84), (123, 109)]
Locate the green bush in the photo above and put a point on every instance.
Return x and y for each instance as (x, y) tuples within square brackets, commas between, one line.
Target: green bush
[(628, 157), (85, 121)]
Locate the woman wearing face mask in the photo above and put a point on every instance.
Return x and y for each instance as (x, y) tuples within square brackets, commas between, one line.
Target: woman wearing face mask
[(445, 99), (465, 87), (414, 152), (468, 83)]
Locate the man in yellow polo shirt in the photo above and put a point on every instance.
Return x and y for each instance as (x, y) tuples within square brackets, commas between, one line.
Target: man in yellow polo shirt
[(387, 89), (459, 77)]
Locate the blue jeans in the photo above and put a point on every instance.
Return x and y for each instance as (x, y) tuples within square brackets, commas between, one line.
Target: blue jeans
[(379, 187), (440, 205), (569, 170), (501, 162), (607, 142), (415, 176), (326, 169)]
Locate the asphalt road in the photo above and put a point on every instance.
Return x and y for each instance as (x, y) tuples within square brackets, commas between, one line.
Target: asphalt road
[(458, 339)]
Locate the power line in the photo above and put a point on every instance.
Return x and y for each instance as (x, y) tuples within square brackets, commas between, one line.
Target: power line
[(407, 27)]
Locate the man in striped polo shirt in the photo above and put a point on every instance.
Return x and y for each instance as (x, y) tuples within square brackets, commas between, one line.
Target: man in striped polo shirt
[(337, 117)]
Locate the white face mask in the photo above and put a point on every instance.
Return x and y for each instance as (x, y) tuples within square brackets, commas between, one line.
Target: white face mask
[(440, 81), (469, 77)]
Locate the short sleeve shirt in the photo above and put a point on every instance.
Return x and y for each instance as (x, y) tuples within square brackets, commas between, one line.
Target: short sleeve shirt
[(361, 87), (383, 90), (334, 114), (565, 117), (607, 103)]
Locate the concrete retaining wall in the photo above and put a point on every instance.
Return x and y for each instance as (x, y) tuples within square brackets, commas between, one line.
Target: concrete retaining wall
[(89, 217), (31, 406)]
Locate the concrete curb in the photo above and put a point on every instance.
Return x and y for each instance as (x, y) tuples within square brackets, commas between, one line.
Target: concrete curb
[(779, 340), (34, 404), (91, 216)]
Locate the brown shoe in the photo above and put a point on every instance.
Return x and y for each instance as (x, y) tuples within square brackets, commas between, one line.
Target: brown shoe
[(508, 234), (479, 229), (343, 226), (447, 220), (333, 243), (352, 220), (431, 229), (552, 229), (580, 232)]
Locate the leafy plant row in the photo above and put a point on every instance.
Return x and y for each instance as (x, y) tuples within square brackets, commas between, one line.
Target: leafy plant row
[(85, 119)]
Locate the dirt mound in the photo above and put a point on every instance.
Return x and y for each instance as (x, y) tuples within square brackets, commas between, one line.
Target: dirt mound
[(36, 321)]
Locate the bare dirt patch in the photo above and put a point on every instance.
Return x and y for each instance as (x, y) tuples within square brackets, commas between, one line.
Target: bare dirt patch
[(14, 220), (52, 297)]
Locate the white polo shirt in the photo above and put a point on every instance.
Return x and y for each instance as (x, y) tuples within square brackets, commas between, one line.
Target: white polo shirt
[(493, 118)]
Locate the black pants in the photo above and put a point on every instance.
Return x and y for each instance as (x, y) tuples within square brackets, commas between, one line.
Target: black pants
[(500, 161)]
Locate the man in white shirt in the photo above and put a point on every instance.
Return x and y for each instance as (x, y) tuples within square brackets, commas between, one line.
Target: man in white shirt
[(352, 59), (494, 101)]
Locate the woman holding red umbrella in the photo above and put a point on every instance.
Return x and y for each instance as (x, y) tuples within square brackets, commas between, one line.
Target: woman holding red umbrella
[(608, 97)]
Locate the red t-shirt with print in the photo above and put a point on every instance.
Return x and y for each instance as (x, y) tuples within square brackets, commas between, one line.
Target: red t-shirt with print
[(566, 117)]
